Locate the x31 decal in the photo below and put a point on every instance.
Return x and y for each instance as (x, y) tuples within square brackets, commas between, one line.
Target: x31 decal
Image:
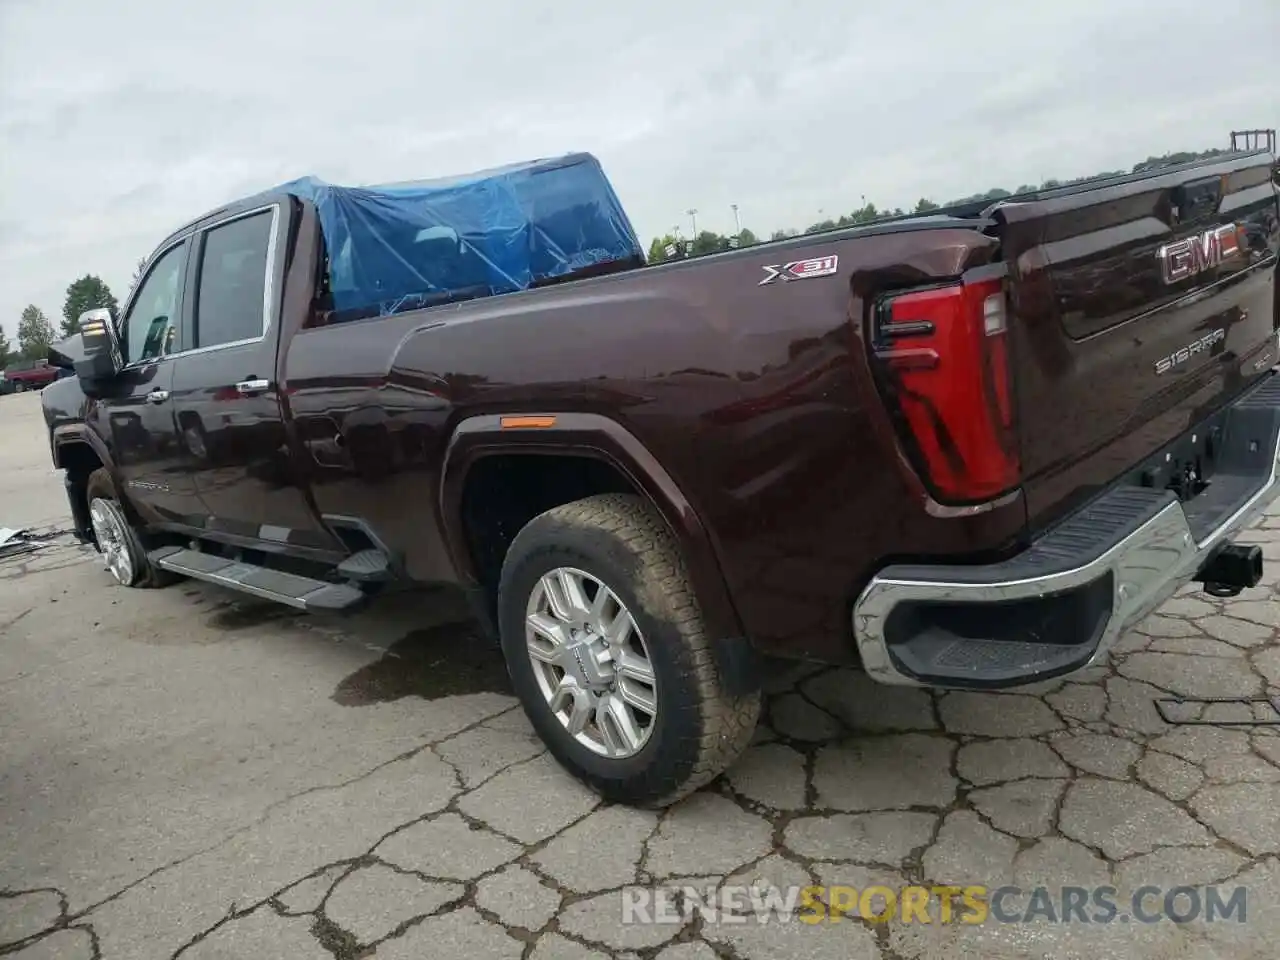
[(801, 269)]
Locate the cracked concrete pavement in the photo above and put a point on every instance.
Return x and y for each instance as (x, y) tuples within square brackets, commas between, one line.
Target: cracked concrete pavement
[(188, 774)]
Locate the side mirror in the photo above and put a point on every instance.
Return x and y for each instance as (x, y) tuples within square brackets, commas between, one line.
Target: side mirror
[(100, 358)]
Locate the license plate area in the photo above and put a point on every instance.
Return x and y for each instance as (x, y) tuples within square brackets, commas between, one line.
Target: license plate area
[(1217, 466), (1186, 467)]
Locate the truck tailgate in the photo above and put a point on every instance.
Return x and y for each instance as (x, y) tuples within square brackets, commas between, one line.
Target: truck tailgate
[(1140, 306)]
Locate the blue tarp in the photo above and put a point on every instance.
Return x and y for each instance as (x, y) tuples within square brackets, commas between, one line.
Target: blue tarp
[(407, 245)]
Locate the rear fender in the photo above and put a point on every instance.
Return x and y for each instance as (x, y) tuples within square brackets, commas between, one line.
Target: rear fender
[(587, 434)]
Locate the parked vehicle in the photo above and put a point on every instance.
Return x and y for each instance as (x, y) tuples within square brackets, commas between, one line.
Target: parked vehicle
[(29, 375), (967, 450)]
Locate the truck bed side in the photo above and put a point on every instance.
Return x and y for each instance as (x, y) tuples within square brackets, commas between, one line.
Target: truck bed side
[(755, 379), (755, 397)]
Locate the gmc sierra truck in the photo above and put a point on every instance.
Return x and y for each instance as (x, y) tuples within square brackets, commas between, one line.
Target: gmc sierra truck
[(963, 450)]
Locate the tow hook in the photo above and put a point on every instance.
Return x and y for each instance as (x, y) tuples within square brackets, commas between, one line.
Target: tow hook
[(1232, 567)]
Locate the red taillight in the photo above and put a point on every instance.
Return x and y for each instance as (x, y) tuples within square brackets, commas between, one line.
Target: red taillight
[(943, 363)]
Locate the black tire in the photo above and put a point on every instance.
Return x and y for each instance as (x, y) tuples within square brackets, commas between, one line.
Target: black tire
[(100, 486), (699, 729)]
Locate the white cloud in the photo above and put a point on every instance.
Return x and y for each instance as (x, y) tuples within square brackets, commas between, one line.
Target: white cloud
[(120, 121)]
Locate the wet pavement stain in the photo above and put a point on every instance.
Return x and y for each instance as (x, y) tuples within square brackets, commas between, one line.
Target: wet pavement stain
[(241, 616), (441, 661)]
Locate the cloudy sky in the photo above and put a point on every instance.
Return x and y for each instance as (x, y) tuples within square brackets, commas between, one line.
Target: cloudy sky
[(120, 121)]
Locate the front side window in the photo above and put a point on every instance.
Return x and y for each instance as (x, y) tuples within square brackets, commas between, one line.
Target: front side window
[(233, 278), (151, 328)]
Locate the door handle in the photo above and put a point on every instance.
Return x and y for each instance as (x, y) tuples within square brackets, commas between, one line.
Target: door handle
[(157, 396), (252, 386)]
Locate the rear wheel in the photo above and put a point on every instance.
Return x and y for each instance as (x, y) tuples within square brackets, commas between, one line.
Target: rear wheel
[(606, 649), (122, 549)]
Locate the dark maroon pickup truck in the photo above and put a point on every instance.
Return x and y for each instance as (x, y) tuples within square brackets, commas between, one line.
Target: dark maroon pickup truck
[(963, 450)]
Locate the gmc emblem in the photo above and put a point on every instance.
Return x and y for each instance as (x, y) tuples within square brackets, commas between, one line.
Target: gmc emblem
[(1185, 258), (801, 269)]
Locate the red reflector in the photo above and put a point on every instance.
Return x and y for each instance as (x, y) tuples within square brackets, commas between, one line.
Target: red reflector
[(955, 412)]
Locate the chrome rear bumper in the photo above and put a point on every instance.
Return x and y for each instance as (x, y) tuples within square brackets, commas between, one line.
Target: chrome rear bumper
[(1143, 541)]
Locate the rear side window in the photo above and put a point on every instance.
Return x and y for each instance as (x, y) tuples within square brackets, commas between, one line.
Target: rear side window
[(233, 281)]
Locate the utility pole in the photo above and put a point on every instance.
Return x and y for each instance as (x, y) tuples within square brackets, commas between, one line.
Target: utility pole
[(737, 224), (693, 216)]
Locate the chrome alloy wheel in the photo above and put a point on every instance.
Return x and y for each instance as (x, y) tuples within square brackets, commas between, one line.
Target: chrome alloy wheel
[(109, 531), (591, 663)]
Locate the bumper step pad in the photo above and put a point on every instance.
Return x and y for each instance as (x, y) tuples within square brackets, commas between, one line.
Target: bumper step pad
[(367, 566)]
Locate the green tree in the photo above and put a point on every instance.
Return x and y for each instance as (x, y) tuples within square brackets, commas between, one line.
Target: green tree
[(35, 333), (1172, 159), (747, 239), (995, 193), (865, 214), (137, 276), (821, 226), (6, 351), (658, 249), (708, 242), (87, 293)]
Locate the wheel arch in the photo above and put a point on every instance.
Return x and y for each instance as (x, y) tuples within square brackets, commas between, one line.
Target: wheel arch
[(595, 437), (68, 442), (78, 452)]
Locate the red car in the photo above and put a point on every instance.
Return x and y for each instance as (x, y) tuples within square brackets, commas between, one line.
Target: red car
[(29, 375)]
